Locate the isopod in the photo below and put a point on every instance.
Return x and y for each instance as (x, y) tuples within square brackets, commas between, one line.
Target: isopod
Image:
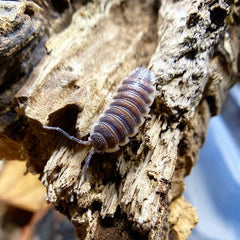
[(122, 117)]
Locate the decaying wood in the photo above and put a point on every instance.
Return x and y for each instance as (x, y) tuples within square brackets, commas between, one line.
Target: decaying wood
[(127, 193), (182, 218)]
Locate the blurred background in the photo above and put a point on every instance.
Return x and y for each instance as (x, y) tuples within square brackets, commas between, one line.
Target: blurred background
[(24, 213), (213, 186)]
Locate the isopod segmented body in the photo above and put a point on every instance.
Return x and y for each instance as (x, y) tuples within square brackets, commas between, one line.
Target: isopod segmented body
[(125, 112), (123, 116)]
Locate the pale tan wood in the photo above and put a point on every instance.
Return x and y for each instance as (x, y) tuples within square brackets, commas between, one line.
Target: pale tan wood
[(184, 43), (182, 218)]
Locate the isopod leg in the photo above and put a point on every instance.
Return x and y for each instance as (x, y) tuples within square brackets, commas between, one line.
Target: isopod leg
[(87, 163), (67, 135)]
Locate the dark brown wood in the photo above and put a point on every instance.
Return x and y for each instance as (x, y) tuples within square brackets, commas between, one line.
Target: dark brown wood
[(191, 46)]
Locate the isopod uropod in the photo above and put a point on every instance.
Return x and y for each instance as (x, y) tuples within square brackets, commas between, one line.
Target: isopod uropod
[(122, 117)]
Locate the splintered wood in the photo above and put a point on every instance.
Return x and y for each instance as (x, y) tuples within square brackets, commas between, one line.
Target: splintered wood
[(127, 193)]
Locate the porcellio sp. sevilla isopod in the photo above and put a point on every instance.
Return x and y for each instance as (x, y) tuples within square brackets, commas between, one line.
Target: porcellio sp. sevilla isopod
[(122, 117)]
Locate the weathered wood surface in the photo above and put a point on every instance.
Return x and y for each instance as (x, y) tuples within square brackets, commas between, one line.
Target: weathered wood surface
[(127, 194)]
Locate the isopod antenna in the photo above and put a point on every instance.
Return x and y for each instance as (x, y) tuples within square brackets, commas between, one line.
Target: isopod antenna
[(87, 163), (67, 135), (88, 142)]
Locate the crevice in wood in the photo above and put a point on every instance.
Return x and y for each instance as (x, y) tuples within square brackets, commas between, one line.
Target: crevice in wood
[(79, 55)]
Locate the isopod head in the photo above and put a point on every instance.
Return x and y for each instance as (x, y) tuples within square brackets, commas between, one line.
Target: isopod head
[(98, 142)]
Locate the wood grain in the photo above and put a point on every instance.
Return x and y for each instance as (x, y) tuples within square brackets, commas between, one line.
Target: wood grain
[(192, 50)]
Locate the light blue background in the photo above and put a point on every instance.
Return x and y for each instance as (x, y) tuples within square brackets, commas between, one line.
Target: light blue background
[(213, 186)]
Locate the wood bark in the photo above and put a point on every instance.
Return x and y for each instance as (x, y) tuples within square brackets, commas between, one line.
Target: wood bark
[(67, 63)]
